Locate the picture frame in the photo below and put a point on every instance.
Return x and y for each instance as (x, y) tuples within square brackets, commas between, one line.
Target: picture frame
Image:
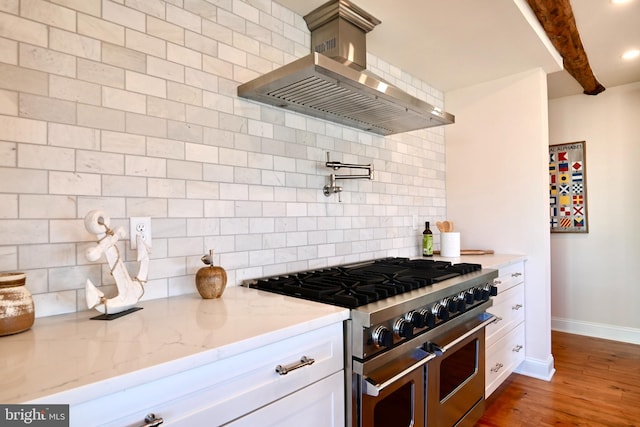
[(568, 211)]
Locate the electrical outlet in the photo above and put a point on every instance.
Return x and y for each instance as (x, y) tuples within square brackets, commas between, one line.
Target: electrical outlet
[(140, 225)]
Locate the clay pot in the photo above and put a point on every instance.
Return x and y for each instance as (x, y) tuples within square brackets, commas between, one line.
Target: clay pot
[(17, 312)]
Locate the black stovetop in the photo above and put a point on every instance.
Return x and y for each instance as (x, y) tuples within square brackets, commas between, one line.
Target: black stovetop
[(354, 285)]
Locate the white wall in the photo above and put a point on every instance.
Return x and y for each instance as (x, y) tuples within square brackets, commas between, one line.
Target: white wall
[(497, 188), (595, 281), (131, 107)]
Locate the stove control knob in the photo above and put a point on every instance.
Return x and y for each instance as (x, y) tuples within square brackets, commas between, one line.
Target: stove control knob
[(493, 290), (440, 311), (382, 337), (450, 304), (477, 294), (402, 328), (428, 318), (461, 303), (415, 318), (469, 296)]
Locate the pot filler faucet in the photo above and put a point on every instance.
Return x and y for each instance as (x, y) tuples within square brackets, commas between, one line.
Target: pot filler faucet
[(332, 187)]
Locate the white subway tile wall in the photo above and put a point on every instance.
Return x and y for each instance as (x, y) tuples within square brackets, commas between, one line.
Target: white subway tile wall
[(131, 107)]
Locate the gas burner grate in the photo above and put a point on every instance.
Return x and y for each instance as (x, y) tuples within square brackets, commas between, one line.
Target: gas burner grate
[(353, 286)]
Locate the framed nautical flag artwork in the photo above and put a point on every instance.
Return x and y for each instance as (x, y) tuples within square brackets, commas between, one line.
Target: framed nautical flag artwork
[(568, 188)]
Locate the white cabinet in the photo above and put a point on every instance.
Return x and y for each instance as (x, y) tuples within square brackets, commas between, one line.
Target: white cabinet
[(505, 337), (238, 390)]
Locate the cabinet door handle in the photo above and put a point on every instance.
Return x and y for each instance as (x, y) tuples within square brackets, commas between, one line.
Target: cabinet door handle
[(497, 367), (516, 274), (497, 282), (152, 421), (304, 361), (517, 307), (517, 348), (498, 319)]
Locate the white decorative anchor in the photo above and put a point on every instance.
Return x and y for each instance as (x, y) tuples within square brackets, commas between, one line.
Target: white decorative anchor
[(130, 290)]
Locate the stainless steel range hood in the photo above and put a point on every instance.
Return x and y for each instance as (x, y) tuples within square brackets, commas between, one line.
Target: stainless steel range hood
[(332, 83)]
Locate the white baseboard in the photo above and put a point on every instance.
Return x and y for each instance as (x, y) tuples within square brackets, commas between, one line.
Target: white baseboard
[(535, 368), (596, 330)]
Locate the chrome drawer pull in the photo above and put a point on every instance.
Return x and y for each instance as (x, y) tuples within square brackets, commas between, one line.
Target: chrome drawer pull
[(497, 367), (497, 282), (498, 319), (304, 361), (517, 307), (152, 421), (516, 274), (517, 348)]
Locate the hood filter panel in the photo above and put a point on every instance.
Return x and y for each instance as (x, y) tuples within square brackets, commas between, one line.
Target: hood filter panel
[(321, 87)]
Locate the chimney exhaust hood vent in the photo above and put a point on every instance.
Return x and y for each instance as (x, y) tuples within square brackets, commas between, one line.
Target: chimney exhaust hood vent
[(332, 83)]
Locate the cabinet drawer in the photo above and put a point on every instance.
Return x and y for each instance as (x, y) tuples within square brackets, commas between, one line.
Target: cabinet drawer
[(510, 276), (319, 405), (508, 307), (503, 357), (225, 389)]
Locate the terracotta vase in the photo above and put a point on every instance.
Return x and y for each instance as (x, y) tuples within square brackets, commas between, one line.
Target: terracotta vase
[(17, 312)]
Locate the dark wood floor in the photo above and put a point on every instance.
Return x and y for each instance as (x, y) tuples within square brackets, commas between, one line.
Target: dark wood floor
[(597, 383)]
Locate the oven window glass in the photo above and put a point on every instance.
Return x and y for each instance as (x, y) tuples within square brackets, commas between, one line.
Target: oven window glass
[(396, 409), (457, 367)]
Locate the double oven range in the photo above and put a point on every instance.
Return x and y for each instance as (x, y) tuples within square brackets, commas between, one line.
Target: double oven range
[(414, 341)]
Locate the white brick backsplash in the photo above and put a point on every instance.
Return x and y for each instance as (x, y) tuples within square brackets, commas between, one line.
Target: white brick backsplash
[(123, 142), (150, 7), (123, 15), (23, 30), (80, 46), (49, 109), (123, 100), (184, 170), (145, 166), (92, 7), (74, 183), (100, 118), (23, 130), (202, 153), (186, 208), (124, 57), (46, 157), (9, 51), (47, 60), (164, 30), (182, 55), (98, 162), (101, 29), (136, 112), (202, 190), (100, 73), (17, 232), (124, 186), (165, 108), (46, 206), (8, 206), (183, 18), (142, 83), (49, 14), (74, 90)]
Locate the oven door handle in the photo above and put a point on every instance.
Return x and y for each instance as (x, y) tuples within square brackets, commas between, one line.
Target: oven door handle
[(440, 350), (373, 389)]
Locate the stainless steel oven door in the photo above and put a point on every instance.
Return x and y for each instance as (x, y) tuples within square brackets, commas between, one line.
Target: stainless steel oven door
[(392, 394), (455, 378)]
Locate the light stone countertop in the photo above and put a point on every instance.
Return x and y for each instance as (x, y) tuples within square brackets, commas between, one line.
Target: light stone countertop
[(70, 358)]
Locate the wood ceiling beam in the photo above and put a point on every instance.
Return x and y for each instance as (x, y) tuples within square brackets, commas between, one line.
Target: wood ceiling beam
[(556, 17)]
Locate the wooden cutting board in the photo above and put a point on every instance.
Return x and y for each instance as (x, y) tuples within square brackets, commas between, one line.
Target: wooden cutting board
[(471, 252)]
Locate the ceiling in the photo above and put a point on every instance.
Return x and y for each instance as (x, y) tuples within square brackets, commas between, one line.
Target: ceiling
[(458, 43)]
